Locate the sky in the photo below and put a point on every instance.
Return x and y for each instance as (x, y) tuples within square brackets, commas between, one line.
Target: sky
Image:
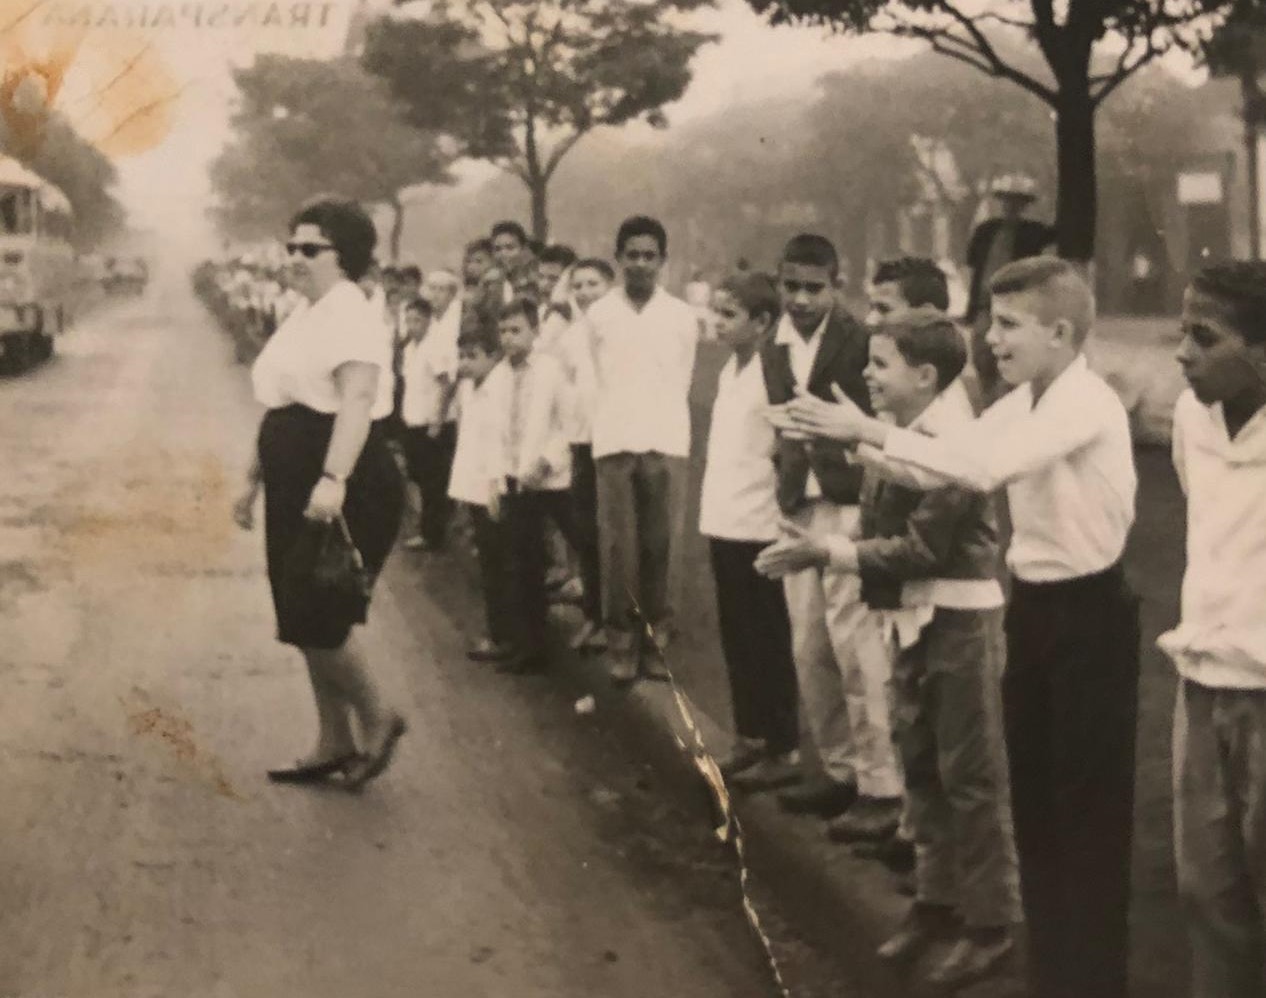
[(166, 187)]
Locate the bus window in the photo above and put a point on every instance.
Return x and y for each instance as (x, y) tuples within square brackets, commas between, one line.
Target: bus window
[(15, 210)]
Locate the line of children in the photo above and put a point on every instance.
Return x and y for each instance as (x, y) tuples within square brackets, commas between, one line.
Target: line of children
[(1059, 444), (927, 563)]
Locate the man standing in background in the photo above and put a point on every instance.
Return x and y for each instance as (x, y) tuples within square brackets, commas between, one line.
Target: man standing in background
[(1000, 240)]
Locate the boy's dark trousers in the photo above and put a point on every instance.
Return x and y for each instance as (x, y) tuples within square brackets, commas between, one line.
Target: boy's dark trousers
[(490, 542), (756, 642), (584, 539), (1070, 704), (523, 515), (430, 461)]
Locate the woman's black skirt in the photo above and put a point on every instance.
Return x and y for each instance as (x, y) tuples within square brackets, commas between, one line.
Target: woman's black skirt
[(292, 445)]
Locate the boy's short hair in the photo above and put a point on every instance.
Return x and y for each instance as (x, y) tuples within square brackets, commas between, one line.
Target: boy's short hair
[(509, 228), (420, 305), (926, 336), (565, 256), (479, 336), (596, 263), (1062, 290), (921, 281), (523, 305), (1239, 286), (483, 246), (756, 293), (641, 225), (411, 272), (809, 249)]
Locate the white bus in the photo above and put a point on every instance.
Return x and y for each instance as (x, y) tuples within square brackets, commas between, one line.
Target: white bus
[(37, 265)]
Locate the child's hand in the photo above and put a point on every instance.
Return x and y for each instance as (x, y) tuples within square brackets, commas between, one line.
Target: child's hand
[(795, 552), (841, 420), (494, 506)]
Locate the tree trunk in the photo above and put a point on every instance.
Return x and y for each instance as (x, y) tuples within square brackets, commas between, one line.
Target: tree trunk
[(538, 188), (1076, 208), (397, 227), (1252, 96)]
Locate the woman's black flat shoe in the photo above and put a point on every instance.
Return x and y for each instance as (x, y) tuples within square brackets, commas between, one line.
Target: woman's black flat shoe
[(370, 766), (313, 772)]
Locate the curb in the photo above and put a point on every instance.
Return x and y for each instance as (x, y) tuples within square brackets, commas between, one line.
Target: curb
[(843, 906)]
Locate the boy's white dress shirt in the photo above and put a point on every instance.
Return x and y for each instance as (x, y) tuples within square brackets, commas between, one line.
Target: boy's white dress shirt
[(802, 354), (1067, 465), (739, 499), (471, 480), (528, 414), (575, 350), (1220, 641), (643, 362)]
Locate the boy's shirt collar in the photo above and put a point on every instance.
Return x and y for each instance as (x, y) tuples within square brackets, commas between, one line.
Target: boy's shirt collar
[(951, 408), (788, 335)]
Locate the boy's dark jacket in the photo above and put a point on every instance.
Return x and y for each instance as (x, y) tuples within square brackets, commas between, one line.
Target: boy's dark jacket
[(841, 358), (945, 533)]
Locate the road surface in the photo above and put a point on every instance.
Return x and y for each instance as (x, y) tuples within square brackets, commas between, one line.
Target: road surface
[(513, 851)]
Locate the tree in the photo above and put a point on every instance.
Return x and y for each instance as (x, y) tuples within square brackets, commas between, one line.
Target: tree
[(520, 82), (1238, 49), (1088, 47), (303, 126), (64, 158)]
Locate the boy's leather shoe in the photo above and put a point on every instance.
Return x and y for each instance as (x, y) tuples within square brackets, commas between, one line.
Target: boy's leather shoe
[(871, 819), (975, 956), (522, 665), (624, 670), (894, 852), (826, 798), (743, 755), (770, 773), (924, 925)]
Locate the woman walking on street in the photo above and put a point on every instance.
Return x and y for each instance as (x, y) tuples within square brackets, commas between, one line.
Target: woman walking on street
[(325, 377)]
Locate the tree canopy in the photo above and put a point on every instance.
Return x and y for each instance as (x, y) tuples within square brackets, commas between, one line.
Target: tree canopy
[(1087, 50), (307, 126), (521, 82)]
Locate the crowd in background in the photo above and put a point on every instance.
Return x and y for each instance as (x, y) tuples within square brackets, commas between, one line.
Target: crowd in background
[(863, 482)]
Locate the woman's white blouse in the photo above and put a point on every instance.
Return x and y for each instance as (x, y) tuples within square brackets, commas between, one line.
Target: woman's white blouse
[(298, 362)]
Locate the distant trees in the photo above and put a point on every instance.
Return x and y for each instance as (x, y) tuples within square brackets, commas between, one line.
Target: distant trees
[(847, 160), (305, 126), (1088, 49), (520, 82)]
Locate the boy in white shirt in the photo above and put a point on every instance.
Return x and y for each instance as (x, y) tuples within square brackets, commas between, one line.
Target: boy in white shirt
[(591, 279), (428, 367), (738, 513), (478, 352), (1219, 646), (644, 343), (530, 465), (1060, 444)]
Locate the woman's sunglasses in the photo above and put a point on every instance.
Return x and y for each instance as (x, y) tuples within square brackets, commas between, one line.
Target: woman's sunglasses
[(309, 250)]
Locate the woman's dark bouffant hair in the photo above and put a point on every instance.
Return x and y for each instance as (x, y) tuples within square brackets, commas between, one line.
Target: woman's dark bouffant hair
[(345, 224)]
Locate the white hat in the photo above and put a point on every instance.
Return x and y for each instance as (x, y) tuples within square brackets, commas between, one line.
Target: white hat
[(1016, 185)]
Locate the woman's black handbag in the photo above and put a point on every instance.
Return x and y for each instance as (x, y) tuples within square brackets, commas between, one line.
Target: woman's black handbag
[(325, 573)]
